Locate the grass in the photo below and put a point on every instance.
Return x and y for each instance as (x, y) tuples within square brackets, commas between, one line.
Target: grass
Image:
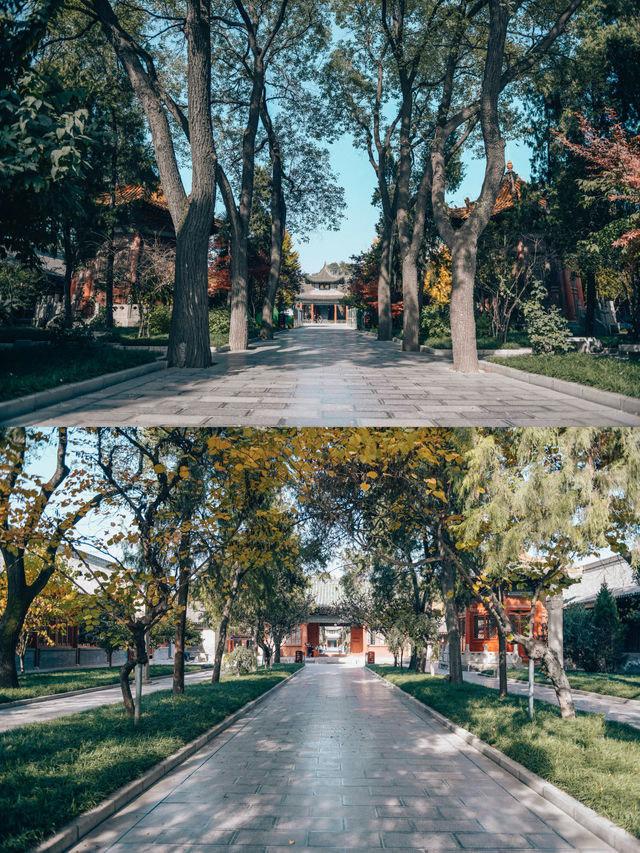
[(52, 772), (515, 340), (9, 334), (35, 684), (608, 374), (128, 337), (25, 373), (595, 761), (609, 684)]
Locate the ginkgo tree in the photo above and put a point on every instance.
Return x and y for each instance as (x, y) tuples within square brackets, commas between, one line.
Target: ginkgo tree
[(38, 517)]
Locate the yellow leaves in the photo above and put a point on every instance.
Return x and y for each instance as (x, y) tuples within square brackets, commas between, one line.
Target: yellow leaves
[(365, 486), (184, 472), (449, 595), (159, 468), (372, 474)]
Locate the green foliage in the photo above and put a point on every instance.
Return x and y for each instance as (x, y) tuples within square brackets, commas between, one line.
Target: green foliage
[(592, 760), (608, 374), (547, 329), (20, 287), (241, 661), (434, 321), (159, 320), (107, 633), (26, 373), (580, 639), (219, 320), (164, 632), (52, 772), (609, 629)]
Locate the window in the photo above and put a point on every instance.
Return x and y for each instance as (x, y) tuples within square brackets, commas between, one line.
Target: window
[(375, 638), (250, 642), (294, 638), (484, 628)]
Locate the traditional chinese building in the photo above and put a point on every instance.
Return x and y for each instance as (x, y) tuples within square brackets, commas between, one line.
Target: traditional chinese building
[(326, 633), (322, 299)]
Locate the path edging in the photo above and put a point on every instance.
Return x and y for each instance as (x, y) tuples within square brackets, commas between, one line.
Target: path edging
[(84, 823), (630, 405), (600, 826), (81, 691), (42, 399)]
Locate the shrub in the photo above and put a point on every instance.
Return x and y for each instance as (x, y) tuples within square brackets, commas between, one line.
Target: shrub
[(580, 641), (548, 330), (241, 661), (434, 321), (99, 320), (219, 320), (159, 320), (79, 334), (609, 630), (483, 326)]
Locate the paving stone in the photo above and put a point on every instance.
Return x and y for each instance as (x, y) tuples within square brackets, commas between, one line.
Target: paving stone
[(345, 724), (326, 377)]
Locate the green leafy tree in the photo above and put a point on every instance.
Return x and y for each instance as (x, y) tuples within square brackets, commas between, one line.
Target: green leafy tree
[(608, 629)]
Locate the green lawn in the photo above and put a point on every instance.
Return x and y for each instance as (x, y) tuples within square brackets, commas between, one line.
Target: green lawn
[(624, 686), (515, 340), (47, 683), (596, 762), (27, 372), (9, 334), (52, 772), (129, 338), (608, 374)]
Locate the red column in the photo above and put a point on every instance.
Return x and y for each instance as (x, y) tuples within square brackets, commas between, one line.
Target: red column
[(335, 313), (312, 312)]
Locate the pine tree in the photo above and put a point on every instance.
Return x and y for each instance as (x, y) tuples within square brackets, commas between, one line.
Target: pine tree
[(608, 628)]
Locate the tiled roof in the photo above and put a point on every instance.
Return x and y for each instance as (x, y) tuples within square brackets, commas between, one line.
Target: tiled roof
[(325, 275), (130, 193), (326, 592), (333, 295), (616, 571), (510, 189)]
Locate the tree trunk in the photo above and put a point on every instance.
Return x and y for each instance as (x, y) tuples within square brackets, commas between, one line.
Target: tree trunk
[(181, 623), (411, 311), (385, 320), (189, 344), (68, 274), (590, 315), (109, 659), (19, 600), (278, 220), (276, 652), (140, 657), (463, 323), (224, 624), (108, 283), (447, 585), (238, 328), (502, 663), (554, 669)]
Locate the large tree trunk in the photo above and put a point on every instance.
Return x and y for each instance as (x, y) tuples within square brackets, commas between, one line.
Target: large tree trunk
[(590, 315), (463, 323), (411, 312), (447, 585), (276, 652), (108, 282), (224, 624), (385, 320), (181, 622), (554, 669), (68, 275), (238, 328), (189, 344), (278, 222), (139, 657)]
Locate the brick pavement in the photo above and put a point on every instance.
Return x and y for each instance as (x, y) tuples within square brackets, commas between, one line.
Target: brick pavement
[(326, 377), (337, 760)]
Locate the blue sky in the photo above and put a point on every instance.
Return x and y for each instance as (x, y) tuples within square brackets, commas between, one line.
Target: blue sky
[(357, 230)]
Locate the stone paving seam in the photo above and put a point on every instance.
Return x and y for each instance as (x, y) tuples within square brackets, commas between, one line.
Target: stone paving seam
[(600, 826), (43, 399), (68, 693), (84, 823)]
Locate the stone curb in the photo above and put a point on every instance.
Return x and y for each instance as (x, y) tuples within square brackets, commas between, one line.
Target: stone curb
[(630, 405), (482, 353), (49, 696), (41, 399), (82, 825), (587, 694), (601, 827)]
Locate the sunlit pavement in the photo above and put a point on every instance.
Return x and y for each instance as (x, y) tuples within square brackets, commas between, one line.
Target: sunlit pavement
[(64, 706), (337, 760), (323, 376)]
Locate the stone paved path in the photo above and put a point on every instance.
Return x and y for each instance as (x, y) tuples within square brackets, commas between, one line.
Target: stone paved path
[(618, 711), (64, 706), (326, 377), (337, 760)]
